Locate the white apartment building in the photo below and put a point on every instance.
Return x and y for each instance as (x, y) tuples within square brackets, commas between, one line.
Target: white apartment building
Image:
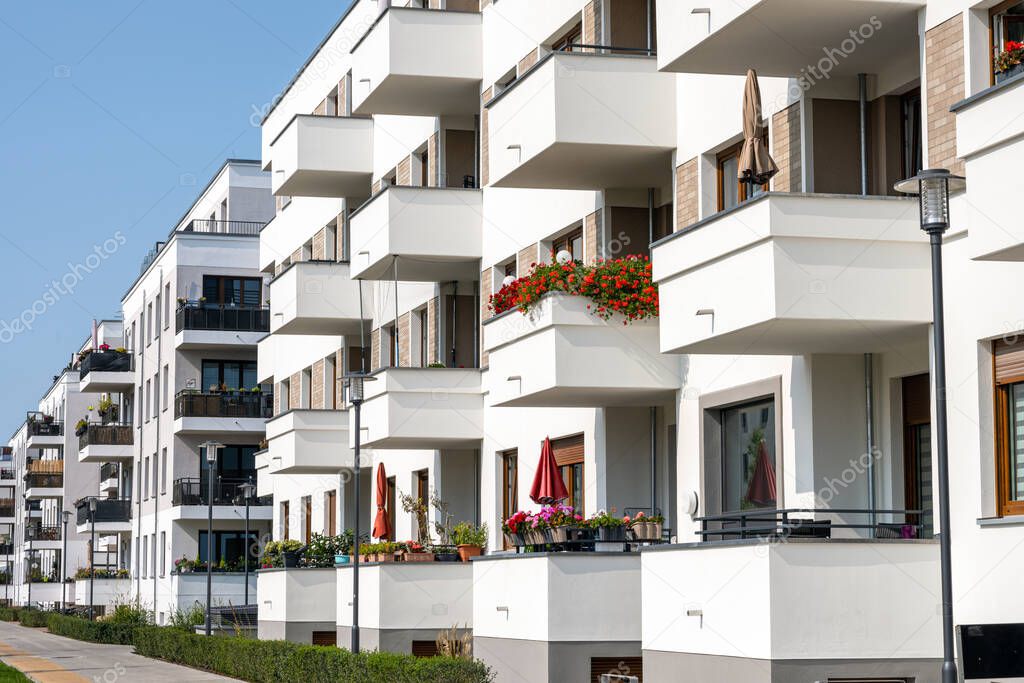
[(192, 321)]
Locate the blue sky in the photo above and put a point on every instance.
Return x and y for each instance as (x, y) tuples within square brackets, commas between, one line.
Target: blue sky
[(113, 115)]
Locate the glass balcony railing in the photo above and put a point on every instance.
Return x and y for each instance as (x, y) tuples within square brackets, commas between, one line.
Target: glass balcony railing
[(107, 510), (106, 361)]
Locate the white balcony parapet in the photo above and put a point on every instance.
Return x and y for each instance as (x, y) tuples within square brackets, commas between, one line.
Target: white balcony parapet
[(422, 408), (295, 602), (318, 297), (420, 62), (845, 38), (430, 234), (563, 354), (796, 274), (323, 156), (610, 118), (305, 441)]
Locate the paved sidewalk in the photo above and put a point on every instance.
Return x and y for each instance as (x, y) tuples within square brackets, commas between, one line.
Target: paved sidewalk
[(54, 659)]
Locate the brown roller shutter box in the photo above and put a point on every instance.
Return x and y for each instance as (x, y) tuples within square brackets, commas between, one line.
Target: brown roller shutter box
[(1009, 361), (325, 637), (568, 451), (424, 648)]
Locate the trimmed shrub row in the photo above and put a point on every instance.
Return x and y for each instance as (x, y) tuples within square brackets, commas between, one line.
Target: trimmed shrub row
[(9, 613), (276, 661), (262, 661), (91, 631)]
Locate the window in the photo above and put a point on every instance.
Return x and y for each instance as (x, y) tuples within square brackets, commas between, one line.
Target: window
[(1009, 387), (145, 556), (307, 518), (163, 471), (156, 395), (509, 483), (149, 324), (152, 543), (574, 36), (568, 454), (748, 456), (330, 382), (423, 323), (149, 399), (156, 325), (163, 553), (917, 451), (132, 340), (142, 407), (284, 396), (731, 191), (1007, 23), (571, 242), (166, 384), (284, 520), (232, 291), (235, 465), (509, 269), (228, 547), (227, 375), (167, 305), (423, 488), (331, 513), (389, 346), (391, 508)]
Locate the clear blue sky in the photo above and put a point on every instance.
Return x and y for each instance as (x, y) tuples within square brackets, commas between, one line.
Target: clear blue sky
[(113, 115)]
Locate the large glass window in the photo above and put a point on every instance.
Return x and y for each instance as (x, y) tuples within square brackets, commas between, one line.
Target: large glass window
[(731, 191), (229, 375), (231, 291), (748, 456), (1007, 25), (228, 546)]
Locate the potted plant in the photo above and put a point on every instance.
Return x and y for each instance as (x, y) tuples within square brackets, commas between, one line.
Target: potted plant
[(47, 419), (469, 539), (81, 427), (1010, 61), (607, 528), (646, 528), (560, 521), (416, 552), (514, 528)]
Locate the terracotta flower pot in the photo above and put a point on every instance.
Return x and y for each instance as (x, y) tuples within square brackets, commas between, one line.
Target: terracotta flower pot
[(468, 551)]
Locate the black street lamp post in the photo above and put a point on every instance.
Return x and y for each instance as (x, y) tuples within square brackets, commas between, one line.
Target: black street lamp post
[(355, 383), (66, 517), (211, 460), (92, 555), (248, 489), (932, 188)]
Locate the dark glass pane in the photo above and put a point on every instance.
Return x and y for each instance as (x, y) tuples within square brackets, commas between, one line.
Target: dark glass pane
[(747, 431), (1016, 422), (211, 375), (249, 375), (233, 374)]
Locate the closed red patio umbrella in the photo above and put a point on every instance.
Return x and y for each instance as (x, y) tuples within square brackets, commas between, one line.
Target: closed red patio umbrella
[(381, 527), (548, 486), (761, 490)]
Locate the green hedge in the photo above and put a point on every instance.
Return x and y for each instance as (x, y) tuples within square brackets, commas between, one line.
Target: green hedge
[(91, 631), (9, 613), (33, 618), (275, 661)]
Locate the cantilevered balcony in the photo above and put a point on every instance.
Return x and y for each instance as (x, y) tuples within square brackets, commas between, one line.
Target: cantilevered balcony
[(419, 62), (196, 491), (562, 354), (423, 408), (584, 121), (779, 37), (106, 371), (43, 536), (308, 442), (323, 156), (112, 516), (6, 510), (318, 297), (44, 432), (796, 274), (211, 326), (242, 412), (100, 443), (45, 484), (430, 234)]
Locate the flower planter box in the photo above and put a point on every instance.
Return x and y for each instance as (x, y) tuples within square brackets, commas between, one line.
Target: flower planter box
[(515, 540), (446, 557), (557, 534), (342, 560), (535, 537), (646, 531), (418, 557), (611, 534), (1009, 73)]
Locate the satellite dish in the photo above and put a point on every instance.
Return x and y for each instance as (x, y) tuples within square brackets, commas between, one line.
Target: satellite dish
[(563, 257), (507, 281)]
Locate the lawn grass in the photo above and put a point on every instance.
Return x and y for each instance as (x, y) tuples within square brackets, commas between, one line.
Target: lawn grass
[(11, 675)]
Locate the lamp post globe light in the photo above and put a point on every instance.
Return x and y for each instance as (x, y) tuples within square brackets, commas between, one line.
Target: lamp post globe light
[(248, 489), (92, 555), (933, 188), (355, 383), (66, 517), (210, 447)]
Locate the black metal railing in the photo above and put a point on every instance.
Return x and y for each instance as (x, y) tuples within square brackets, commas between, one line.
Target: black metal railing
[(106, 361), (223, 404), (234, 616), (108, 470), (107, 510), (40, 532), (609, 49), (106, 435), (195, 491), (6, 549), (44, 480), (810, 523), (44, 428), (7, 474), (224, 227), (201, 316), (7, 507)]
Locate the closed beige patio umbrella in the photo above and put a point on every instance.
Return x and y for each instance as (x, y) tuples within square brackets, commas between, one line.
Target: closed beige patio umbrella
[(756, 165)]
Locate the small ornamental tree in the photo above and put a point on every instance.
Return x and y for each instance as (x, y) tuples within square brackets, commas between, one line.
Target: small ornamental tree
[(617, 286)]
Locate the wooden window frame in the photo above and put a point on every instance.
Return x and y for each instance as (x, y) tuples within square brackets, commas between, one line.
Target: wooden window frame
[(732, 152), (1004, 506), (566, 466), (392, 498), (565, 242), (998, 9), (572, 36), (509, 487)]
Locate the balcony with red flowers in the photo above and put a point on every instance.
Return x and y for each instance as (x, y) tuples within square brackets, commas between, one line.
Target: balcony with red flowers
[(578, 335)]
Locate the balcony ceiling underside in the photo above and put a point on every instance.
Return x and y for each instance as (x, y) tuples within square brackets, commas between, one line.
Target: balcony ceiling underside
[(103, 382), (412, 95), (322, 326), (422, 268), (588, 397), (330, 184), (425, 442), (578, 166), (782, 37), (786, 336), (101, 453)]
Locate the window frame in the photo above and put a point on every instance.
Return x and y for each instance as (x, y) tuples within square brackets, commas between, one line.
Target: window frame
[(566, 242), (1004, 506), (742, 189), (993, 12)]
